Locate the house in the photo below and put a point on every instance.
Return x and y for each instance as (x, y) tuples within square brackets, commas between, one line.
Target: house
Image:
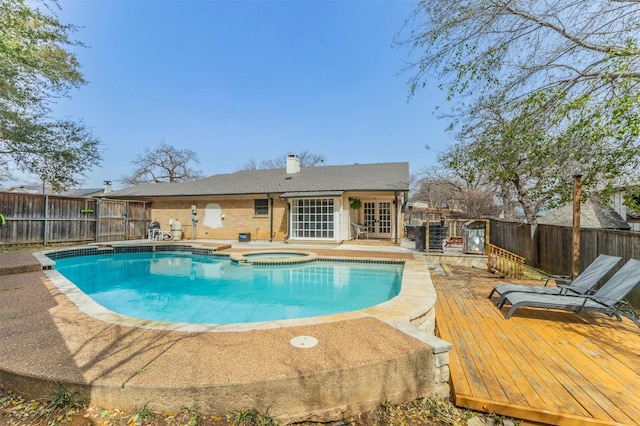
[(300, 204), (88, 192), (30, 189), (75, 192), (592, 215), (618, 201)]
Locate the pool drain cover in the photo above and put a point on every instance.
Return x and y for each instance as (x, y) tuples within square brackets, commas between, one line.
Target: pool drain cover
[(304, 341)]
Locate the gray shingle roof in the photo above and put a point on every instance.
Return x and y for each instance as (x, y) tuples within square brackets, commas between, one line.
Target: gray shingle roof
[(592, 215), (82, 192), (356, 177)]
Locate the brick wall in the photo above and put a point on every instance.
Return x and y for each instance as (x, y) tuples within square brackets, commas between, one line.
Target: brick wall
[(233, 217)]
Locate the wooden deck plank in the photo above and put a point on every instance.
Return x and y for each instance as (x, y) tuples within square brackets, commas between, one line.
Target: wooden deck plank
[(628, 376), (472, 330), (541, 365), (537, 374), (555, 361), (483, 364), (461, 335), (518, 368), (553, 357), (479, 372), (486, 355), (591, 391), (609, 403), (550, 395), (504, 378), (538, 384), (448, 332)]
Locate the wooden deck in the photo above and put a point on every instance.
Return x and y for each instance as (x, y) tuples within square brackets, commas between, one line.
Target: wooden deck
[(541, 365)]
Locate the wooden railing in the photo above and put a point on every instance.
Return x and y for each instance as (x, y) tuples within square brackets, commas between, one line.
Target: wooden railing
[(504, 262)]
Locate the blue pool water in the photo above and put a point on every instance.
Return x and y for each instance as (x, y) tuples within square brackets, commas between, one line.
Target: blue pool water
[(179, 287)]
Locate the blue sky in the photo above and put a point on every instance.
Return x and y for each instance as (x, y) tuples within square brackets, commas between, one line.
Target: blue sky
[(235, 80)]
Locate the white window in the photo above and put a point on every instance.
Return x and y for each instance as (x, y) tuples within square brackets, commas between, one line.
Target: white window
[(312, 218)]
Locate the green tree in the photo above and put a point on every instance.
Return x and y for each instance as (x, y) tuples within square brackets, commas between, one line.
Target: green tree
[(532, 151), (540, 90), (164, 164), (36, 67)]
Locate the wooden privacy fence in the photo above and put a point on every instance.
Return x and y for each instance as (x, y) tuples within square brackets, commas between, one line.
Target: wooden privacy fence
[(549, 247), (504, 262), (50, 219)]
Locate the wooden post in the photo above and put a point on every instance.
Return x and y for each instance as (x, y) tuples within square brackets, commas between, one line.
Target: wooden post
[(577, 194), (487, 235)]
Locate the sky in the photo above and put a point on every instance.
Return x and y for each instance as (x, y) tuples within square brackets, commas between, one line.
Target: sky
[(240, 80)]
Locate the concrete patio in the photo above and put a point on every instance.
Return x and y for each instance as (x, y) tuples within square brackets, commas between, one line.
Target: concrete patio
[(361, 360)]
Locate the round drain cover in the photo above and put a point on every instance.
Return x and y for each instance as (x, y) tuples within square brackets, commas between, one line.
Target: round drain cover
[(304, 341)]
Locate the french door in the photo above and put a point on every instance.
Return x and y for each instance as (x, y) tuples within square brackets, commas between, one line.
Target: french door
[(377, 218)]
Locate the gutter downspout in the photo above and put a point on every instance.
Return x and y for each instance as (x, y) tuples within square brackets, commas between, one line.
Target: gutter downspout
[(395, 201), (286, 237), (270, 218)]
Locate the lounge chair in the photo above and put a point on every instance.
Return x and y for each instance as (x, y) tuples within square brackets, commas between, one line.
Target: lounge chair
[(608, 299), (581, 285)]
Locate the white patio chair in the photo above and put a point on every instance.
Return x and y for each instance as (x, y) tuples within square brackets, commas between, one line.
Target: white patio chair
[(360, 230)]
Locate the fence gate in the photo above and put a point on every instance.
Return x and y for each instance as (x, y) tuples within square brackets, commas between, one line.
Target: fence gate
[(138, 216), (112, 221), (121, 220)]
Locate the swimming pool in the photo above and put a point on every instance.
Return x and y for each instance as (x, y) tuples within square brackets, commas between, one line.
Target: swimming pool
[(185, 287)]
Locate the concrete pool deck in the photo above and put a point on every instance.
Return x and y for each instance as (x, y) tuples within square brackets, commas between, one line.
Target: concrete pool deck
[(362, 359)]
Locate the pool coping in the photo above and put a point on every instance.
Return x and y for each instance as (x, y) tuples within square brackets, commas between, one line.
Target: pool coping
[(413, 305), (245, 257)]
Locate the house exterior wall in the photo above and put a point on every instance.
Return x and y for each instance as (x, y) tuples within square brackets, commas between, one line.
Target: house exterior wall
[(618, 205), (357, 216), (222, 218), (226, 218)]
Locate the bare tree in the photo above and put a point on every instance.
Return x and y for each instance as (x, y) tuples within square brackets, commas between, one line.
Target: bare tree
[(448, 194), (479, 203), (307, 159), (163, 164), (517, 46), (545, 89), (438, 193), (458, 190)]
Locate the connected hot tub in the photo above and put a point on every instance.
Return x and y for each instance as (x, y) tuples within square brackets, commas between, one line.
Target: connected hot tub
[(271, 257)]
